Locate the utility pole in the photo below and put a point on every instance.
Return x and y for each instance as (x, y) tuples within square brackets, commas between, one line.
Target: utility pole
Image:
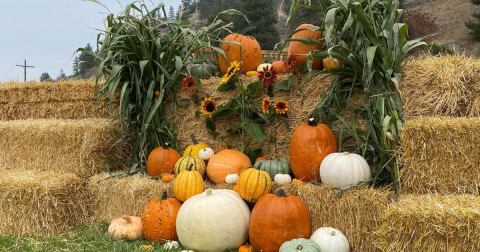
[(25, 69)]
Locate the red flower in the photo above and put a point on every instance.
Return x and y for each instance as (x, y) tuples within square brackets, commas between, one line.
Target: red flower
[(267, 75)]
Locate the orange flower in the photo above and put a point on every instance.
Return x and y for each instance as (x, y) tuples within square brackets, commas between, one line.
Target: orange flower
[(189, 84), (157, 93), (265, 105), (208, 106), (290, 62), (281, 107), (267, 75)]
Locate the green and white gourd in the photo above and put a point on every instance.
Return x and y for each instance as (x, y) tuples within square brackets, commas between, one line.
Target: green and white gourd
[(300, 244), (330, 240), (273, 167)]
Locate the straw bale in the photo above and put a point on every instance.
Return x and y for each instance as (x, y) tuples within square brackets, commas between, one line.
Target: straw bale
[(441, 155), (445, 85), (81, 147), (431, 222), (47, 203)]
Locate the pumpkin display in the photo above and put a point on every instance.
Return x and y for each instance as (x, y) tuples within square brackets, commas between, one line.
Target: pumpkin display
[(245, 248), (194, 148), (161, 161), (253, 184), (329, 63), (187, 184), (260, 158), (282, 179), (300, 244), (206, 153), (226, 162), (171, 245), (215, 220), (301, 50), (277, 218), (251, 53), (159, 218), (168, 177), (191, 163), (279, 66), (126, 227), (262, 66), (202, 71), (298, 181), (273, 167), (344, 169), (231, 178), (330, 240), (311, 143)]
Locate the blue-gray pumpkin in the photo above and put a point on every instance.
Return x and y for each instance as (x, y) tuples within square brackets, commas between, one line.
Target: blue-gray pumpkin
[(273, 167), (202, 71), (299, 245)]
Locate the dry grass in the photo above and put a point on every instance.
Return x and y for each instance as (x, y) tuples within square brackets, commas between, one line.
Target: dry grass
[(81, 147), (34, 202), (441, 155), (431, 222)]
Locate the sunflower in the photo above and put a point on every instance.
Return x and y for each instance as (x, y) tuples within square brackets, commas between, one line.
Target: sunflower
[(208, 106), (266, 105), (281, 107), (290, 62), (267, 75), (252, 73), (232, 70), (189, 84)]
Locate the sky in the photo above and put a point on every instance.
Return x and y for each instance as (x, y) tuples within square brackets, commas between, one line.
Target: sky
[(48, 32)]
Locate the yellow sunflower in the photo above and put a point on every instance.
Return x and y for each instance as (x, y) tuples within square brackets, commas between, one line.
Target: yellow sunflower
[(281, 107), (265, 105), (232, 70), (252, 73), (189, 84), (208, 106)]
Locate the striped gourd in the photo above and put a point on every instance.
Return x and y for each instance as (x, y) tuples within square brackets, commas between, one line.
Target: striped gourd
[(253, 184), (190, 162), (187, 184)]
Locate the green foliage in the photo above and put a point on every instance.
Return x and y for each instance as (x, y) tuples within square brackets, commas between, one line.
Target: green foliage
[(474, 26), (303, 15), (476, 2), (436, 49), (45, 77), (84, 64)]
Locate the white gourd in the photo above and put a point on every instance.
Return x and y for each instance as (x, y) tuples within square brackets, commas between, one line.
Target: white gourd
[(344, 169), (330, 240), (282, 179), (206, 153), (213, 221), (299, 245), (261, 66), (231, 178), (171, 245)]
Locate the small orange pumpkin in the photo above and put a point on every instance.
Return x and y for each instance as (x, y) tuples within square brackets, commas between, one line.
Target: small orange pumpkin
[(260, 158), (297, 181), (279, 66), (168, 177), (245, 248), (329, 63), (161, 160)]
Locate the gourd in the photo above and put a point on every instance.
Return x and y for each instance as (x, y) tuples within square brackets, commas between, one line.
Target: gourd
[(171, 245), (273, 167), (213, 221), (298, 181), (300, 244), (231, 178), (329, 63), (168, 177), (283, 179), (194, 148), (279, 66), (206, 153), (253, 184), (301, 50), (260, 158), (202, 71), (245, 248), (344, 169), (330, 240), (251, 53), (161, 160), (185, 162), (128, 227), (159, 218), (311, 143), (263, 65), (226, 162), (187, 184)]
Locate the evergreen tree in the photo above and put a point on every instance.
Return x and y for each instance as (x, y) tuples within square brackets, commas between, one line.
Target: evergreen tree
[(61, 76), (83, 65), (302, 16), (45, 77), (171, 14), (474, 25)]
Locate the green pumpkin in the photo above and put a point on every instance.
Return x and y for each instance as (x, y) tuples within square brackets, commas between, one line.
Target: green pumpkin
[(273, 167), (202, 71), (300, 244)]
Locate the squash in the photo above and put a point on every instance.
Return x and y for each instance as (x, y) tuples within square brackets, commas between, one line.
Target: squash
[(128, 227), (301, 50), (330, 240), (300, 244), (245, 248), (329, 63), (283, 179), (159, 218), (161, 161), (226, 162), (277, 218), (251, 53), (298, 181), (253, 184), (273, 167), (171, 245), (344, 169), (168, 177), (190, 162), (194, 148), (187, 184), (206, 153), (202, 71), (260, 158), (279, 66), (213, 221), (311, 143), (262, 66), (231, 178)]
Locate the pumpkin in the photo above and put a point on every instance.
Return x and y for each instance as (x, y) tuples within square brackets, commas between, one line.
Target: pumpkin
[(253, 184), (300, 244), (171, 245), (226, 162), (279, 66), (161, 160), (235, 188), (231, 178), (245, 248), (277, 218), (206, 153), (311, 143), (301, 50), (251, 53), (344, 169), (273, 167), (260, 158), (168, 177), (159, 218), (262, 66), (283, 179), (215, 220), (329, 63), (297, 181), (194, 148), (128, 227), (190, 162), (202, 71), (330, 240), (187, 184)]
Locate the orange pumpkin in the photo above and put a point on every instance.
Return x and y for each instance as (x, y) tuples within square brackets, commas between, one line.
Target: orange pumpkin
[(226, 162), (159, 219), (311, 143), (329, 63), (251, 53), (168, 177), (297, 181), (298, 48), (276, 219), (279, 66), (161, 160), (245, 248), (260, 158)]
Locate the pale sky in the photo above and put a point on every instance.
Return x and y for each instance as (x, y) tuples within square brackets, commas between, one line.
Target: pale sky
[(48, 32)]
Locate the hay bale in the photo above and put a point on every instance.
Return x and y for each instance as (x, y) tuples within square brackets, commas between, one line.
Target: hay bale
[(441, 155), (47, 203), (81, 147), (431, 222)]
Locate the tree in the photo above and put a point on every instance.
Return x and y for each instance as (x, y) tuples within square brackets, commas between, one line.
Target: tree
[(61, 76), (303, 15), (474, 25), (171, 14), (45, 77), (83, 65)]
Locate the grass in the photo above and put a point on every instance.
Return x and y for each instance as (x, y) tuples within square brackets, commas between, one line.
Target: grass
[(92, 237)]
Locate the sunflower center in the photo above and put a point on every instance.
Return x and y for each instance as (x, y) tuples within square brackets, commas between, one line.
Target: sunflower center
[(281, 106), (268, 75), (210, 107), (190, 84), (231, 71)]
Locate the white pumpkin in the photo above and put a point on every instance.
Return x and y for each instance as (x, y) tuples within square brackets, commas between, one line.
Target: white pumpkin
[(206, 153), (344, 169), (171, 245), (231, 178), (282, 179), (215, 220), (330, 240), (261, 66)]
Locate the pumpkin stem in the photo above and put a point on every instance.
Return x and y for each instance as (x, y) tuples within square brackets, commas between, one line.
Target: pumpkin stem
[(193, 139), (164, 196), (299, 247), (346, 153), (333, 233), (249, 29), (127, 218), (312, 122), (209, 192), (281, 193)]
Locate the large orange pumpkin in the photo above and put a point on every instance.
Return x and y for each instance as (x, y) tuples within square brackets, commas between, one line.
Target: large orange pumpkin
[(311, 143), (159, 219), (279, 66), (276, 219), (251, 53), (161, 160), (226, 162), (298, 48)]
